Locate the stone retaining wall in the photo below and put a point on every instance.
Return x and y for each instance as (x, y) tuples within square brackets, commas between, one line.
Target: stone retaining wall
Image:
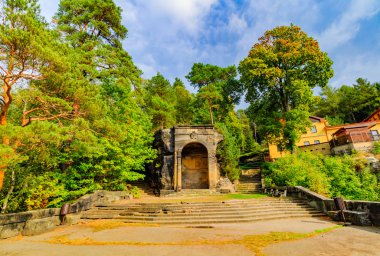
[(358, 212), (40, 221)]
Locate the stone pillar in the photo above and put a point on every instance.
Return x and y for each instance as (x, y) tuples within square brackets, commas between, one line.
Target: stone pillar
[(179, 171), (212, 170), (175, 171)]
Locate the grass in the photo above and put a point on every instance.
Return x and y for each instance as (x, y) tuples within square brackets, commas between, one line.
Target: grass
[(255, 243), (200, 199)]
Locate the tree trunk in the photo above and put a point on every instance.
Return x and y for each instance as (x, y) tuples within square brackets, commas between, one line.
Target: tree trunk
[(7, 100), (3, 113), (3, 118), (211, 116), (10, 191)]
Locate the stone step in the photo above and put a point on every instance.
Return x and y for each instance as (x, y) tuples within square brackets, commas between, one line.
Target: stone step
[(248, 188), (203, 212), (189, 213), (248, 185), (200, 208), (279, 215), (217, 205), (242, 190), (197, 210)]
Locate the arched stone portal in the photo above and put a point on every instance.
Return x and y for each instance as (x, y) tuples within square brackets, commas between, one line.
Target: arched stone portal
[(187, 157), (194, 166), (204, 138)]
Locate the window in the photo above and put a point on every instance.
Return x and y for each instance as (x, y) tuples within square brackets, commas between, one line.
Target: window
[(279, 148), (306, 143), (313, 129), (375, 135), (317, 142)]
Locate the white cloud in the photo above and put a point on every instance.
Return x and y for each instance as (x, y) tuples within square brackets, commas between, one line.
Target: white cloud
[(185, 13), (236, 23), (265, 15), (352, 66), (347, 26), (166, 29), (168, 36)]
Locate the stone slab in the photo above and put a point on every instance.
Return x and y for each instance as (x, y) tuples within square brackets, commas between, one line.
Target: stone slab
[(39, 226), (11, 230)]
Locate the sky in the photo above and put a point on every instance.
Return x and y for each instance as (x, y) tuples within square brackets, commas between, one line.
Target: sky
[(169, 36)]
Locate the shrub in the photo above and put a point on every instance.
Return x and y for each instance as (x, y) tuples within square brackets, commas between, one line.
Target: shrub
[(297, 170), (347, 176)]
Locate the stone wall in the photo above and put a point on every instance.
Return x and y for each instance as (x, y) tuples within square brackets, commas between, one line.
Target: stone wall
[(40, 221), (358, 212)]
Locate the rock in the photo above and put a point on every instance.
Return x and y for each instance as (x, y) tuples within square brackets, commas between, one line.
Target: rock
[(71, 219), (358, 218), (11, 230), (225, 185), (39, 226)]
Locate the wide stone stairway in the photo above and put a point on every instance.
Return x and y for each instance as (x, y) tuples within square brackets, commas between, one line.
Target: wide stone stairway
[(203, 212), (249, 182)]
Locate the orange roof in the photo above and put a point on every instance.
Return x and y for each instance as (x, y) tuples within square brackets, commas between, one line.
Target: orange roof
[(320, 119), (355, 126), (372, 115)]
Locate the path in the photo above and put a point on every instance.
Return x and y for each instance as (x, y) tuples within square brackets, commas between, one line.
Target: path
[(96, 238)]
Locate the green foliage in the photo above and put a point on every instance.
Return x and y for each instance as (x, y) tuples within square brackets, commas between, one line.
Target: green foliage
[(349, 104), (279, 74), (298, 170), (347, 176), (228, 151), (218, 90), (95, 134), (184, 101), (376, 148), (160, 102)]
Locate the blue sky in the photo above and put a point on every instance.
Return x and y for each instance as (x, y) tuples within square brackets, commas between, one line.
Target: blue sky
[(168, 36)]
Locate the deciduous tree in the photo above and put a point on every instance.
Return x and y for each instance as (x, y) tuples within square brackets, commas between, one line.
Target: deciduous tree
[(278, 75)]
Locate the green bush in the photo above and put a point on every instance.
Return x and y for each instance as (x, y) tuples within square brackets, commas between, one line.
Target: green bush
[(346, 176), (376, 148), (297, 170)]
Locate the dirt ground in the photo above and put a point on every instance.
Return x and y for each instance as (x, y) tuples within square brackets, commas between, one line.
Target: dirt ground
[(112, 238)]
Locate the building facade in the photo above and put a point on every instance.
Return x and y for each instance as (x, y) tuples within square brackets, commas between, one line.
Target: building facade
[(339, 139)]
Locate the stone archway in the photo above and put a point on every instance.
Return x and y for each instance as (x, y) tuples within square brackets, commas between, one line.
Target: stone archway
[(195, 166)]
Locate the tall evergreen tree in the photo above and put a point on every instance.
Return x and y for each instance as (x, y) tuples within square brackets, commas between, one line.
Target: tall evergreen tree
[(160, 102)]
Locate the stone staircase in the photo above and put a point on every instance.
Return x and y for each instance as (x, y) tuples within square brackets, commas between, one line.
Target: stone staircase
[(187, 193), (203, 212), (249, 182), (145, 190)]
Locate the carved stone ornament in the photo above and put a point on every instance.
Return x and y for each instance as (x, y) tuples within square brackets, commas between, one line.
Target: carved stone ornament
[(193, 135)]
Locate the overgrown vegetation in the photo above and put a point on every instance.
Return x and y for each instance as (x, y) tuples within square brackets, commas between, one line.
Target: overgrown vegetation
[(348, 176)]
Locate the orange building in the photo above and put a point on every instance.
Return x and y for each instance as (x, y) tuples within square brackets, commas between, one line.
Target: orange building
[(316, 139), (325, 139)]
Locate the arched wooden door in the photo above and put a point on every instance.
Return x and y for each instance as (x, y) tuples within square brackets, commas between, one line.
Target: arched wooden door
[(195, 167)]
